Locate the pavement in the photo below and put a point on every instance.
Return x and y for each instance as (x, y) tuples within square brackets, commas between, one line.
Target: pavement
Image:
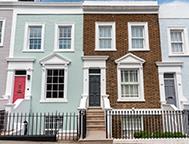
[(29, 142)]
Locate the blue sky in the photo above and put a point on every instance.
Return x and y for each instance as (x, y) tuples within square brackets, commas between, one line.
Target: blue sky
[(160, 1)]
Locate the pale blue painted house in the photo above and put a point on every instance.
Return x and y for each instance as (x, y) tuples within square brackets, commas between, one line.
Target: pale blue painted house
[(174, 68), (45, 66)]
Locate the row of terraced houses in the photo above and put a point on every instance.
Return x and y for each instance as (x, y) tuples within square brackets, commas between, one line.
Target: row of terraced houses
[(94, 56)]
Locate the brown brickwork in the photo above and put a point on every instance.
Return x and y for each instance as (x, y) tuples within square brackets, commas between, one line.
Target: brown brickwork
[(151, 83)]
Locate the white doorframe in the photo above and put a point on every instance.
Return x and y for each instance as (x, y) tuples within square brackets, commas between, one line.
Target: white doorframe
[(94, 62), (18, 64), (171, 67)]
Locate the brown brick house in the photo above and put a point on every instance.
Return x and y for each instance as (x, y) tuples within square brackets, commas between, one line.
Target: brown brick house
[(121, 48), (130, 25)]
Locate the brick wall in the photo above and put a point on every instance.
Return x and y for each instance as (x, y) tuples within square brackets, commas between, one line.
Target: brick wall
[(151, 83)]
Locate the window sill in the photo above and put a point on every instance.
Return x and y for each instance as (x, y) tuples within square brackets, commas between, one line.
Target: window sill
[(147, 50), (33, 51), (69, 51), (105, 50), (130, 100), (178, 55), (54, 101)]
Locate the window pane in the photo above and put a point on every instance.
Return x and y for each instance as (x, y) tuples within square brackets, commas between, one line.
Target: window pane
[(169, 75), (105, 37), (125, 90), (137, 36), (35, 44), (137, 43), (55, 83), (129, 83), (176, 35), (124, 76), (49, 79), (65, 37), (48, 94), (55, 87), (177, 47), (61, 94), (61, 87), (64, 43), (35, 31), (55, 72), (61, 79), (176, 41), (54, 94), (137, 31), (133, 76), (105, 31), (49, 72), (35, 37), (106, 44), (65, 31), (49, 87)]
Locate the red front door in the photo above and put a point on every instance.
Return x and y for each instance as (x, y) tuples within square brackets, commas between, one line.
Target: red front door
[(19, 87)]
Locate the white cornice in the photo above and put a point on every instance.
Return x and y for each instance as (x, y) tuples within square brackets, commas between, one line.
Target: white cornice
[(43, 7), (54, 58), (129, 58), (120, 7), (169, 64), (20, 59), (40, 4), (120, 3), (90, 7), (95, 58)]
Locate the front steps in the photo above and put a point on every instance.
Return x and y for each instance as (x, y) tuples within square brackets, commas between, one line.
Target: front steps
[(95, 120), (96, 127)]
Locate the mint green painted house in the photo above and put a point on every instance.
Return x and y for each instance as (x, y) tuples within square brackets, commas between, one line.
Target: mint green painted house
[(45, 65)]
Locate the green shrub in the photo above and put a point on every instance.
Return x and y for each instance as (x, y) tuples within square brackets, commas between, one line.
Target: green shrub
[(144, 134), (179, 135)]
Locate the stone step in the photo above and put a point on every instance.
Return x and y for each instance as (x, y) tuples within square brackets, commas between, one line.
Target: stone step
[(96, 129), (95, 125), (93, 117), (96, 141), (94, 109), (91, 108), (95, 112), (95, 122)]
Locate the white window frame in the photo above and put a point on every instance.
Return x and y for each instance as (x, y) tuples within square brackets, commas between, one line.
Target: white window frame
[(146, 36), (56, 45), (131, 83), (97, 43), (3, 31), (184, 38), (26, 37), (44, 78), (141, 83)]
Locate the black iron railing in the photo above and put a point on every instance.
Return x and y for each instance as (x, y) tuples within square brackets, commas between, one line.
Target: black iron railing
[(129, 124), (63, 126), (82, 121)]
